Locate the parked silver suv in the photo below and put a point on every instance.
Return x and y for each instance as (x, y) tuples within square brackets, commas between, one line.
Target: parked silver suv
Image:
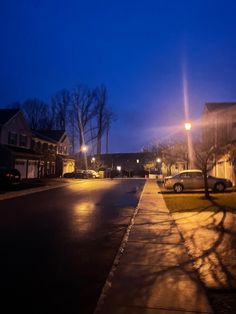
[(193, 179)]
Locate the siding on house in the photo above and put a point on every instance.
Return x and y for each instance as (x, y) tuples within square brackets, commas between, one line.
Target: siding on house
[(219, 127)]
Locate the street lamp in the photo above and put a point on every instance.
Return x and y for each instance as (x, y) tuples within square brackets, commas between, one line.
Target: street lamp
[(158, 166), (84, 150), (188, 127), (93, 159), (118, 168)]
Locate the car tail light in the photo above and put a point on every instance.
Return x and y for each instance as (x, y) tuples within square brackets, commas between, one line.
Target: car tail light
[(9, 175)]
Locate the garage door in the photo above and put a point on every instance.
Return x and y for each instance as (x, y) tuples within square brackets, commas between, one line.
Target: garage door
[(32, 169), (21, 165)]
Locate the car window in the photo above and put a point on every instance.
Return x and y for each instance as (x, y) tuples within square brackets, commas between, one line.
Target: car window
[(196, 175), (184, 175)]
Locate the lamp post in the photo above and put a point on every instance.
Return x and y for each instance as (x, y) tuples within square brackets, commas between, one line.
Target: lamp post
[(84, 150), (158, 166), (188, 127)]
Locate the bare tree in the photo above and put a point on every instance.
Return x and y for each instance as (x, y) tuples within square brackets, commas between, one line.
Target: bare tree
[(38, 114), (104, 118), (101, 115), (83, 112), (206, 155), (60, 105), (171, 151), (83, 107), (108, 119), (72, 129)]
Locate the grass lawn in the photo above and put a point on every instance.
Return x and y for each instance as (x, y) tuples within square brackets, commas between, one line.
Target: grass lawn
[(195, 201)]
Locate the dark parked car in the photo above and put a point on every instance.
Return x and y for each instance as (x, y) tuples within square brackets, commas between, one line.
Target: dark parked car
[(69, 175), (193, 179), (9, 176), (81, 174)]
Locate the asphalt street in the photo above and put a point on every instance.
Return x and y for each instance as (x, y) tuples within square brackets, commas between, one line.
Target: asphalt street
[(57, 246)]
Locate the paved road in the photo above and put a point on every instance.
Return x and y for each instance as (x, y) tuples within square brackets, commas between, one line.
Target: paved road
[(57, 246)]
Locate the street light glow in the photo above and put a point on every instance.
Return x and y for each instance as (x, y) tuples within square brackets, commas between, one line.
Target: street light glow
[(84, 148), (188, 126), (158, 160)]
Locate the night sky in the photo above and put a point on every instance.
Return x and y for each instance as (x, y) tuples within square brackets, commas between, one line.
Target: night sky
[(139, 49)]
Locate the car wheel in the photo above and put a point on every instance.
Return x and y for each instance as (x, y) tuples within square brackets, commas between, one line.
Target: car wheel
[(219, 187), (178, 188)]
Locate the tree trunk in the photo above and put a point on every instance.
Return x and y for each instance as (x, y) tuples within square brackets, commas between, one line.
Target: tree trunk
[(107, 141), (207, 194), (99, 144)]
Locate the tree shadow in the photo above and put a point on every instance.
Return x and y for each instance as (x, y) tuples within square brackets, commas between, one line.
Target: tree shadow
[(155, 261), (210, 237), (165, 262)]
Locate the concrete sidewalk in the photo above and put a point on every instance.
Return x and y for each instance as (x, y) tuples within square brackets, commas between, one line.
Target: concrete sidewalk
[(152, 272)]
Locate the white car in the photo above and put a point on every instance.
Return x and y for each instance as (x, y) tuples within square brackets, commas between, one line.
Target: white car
[(193, 179), (91, 173)]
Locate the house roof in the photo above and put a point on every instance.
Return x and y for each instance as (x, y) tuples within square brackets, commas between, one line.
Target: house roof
[(7, 114), (50, 135), (216, 106)]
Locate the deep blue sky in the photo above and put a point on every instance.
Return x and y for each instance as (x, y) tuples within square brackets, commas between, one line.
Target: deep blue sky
[(136, 48)]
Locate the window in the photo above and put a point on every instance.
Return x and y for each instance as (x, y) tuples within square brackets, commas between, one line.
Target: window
[(12, 138), (65, 150), (184, 175), (23, 140), (196, 175), (60, 149)]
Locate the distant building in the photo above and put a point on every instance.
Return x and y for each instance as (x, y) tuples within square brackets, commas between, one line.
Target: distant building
[(128, 164), (34, 153), (219, 129)]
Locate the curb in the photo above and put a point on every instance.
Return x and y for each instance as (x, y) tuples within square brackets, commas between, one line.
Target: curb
[(108, 282), (29, 191)]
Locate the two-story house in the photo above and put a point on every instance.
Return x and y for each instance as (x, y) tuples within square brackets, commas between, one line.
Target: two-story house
[(219, 129), (15, 144), (55, 146), (34, 153)]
